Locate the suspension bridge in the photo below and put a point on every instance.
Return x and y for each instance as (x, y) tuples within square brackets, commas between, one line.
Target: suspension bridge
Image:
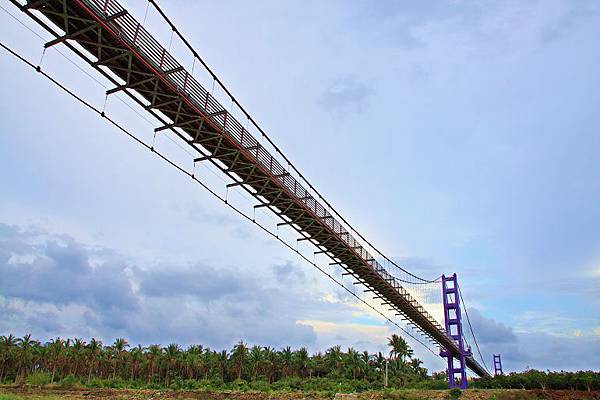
[(105, 35)]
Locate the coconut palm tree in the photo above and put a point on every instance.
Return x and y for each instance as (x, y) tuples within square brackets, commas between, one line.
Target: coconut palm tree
[(135, 358), (255, 358), (366, 363), (318, 364), (400, 350), (415, 366), (154, 353), (93, 350), (8, 345), (76, 353), (353, 361), (25, 346), (172, 352), (238, 356), (222, 359), (271, 360), (286, 360), (301, 358), (56, 355), (333, 357), (119, 347), (194, 360)]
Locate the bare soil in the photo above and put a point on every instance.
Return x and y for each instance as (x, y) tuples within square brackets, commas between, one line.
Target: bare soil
[(130, 394)]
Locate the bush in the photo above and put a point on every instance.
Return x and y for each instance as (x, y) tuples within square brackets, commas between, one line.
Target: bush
[(10, 396), (210, 385), (38, 379), (260, 385), (239, 385), (454, 393), (428, 384), (69, 382), (95, 383)]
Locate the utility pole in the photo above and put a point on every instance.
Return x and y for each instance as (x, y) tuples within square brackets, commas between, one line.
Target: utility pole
[(385, 382)]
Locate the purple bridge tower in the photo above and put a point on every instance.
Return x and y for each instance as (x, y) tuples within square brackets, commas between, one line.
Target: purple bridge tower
[(497, 365), (452, 318)]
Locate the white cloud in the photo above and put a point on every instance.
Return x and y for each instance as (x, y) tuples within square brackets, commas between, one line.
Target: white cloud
[(22, 259), (357, 335)]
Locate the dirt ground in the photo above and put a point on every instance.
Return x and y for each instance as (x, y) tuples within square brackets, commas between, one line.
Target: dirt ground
[(128, 394)]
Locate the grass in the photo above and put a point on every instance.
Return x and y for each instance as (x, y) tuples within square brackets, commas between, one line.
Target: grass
[(11, 396)]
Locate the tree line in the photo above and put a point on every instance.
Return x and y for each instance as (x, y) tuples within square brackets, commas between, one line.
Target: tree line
[(544, 380), (93, 362)]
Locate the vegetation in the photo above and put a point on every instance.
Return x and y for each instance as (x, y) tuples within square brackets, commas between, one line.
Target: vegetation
[(548, 380), (73, 362)]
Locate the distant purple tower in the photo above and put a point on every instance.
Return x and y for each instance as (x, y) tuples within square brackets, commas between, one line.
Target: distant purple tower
[(452, 319), (497, 365)]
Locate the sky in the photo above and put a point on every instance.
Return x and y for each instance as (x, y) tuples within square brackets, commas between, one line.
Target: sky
[(457, 136)]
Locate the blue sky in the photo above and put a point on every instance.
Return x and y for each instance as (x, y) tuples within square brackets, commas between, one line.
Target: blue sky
[(457, 136)]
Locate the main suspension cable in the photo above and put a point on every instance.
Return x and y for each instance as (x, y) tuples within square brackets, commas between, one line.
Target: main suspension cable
[(471, 327)]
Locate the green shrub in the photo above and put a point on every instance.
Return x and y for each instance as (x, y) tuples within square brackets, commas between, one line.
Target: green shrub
[(260, 385), (69, 382), (239, 385), (210, 385), (39, 379), (95, 383), (428, 384), (10, 396), (454, 393)]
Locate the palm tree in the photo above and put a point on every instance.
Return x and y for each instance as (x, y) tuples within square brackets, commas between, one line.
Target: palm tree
[(26, 345), (7, 346), (135, 358), (415, 366), (76, 352), (318, 364), (119, 347), (222, 359), (286, 359), (354, 361), (154, 352), (380, 360), (194, 360), (334, 359), (400, 350), (271, 361), (171, 352), (57, 348), (301, 359), (41, 359), (256, 357), (366, 362), (93, 348), (238, 355)]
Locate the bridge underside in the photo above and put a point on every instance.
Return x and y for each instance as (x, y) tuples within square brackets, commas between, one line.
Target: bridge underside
[(120, 49)]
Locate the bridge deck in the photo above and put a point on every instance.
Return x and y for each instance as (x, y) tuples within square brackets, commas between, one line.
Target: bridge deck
[(116, 42)]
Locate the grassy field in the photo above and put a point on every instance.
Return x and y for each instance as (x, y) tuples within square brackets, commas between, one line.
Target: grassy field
[(31, 393)]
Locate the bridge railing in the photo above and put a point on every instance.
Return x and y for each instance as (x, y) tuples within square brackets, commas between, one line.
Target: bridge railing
[(136, 36)]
